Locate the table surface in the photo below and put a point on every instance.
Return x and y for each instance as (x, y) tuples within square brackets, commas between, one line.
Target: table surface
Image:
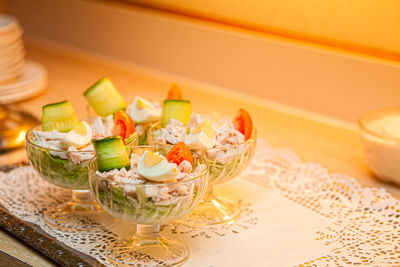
[(334, 145)]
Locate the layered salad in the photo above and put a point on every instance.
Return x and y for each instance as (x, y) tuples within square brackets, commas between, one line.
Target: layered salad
[(61, 148), (228, 145), (146, 187), (105, 100)]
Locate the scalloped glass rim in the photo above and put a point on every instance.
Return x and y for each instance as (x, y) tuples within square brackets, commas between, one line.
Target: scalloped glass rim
[(152, 127), (92, 162), (29, 135)]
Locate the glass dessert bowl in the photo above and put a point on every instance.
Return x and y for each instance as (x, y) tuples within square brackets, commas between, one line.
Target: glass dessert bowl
[(380, 135), (225, 163), (148, 203), (59, 150), (67, 169)]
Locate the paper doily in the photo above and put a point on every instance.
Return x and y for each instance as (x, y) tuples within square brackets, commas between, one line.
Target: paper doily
[(366, 228), (367, 219)]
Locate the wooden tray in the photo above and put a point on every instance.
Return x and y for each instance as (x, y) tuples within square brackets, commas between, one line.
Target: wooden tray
[(44, 243)]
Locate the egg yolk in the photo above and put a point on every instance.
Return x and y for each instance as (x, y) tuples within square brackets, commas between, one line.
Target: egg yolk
[(142, 104), (152, 159), (80, 128), (206, 127)]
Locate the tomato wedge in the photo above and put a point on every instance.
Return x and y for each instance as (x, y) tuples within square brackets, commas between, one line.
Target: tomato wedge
[(174, 92), (243, 123), (124, 126), (178, 153)]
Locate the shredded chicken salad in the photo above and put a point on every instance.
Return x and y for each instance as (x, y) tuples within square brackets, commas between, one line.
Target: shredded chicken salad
[(225, 135), (162, 194), (52, 140)]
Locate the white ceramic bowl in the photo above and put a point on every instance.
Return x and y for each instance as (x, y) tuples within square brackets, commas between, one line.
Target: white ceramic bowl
[(380, 134)]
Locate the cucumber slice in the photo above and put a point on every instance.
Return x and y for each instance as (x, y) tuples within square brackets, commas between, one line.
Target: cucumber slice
[(176, 109), (111, 153), (59, 116), (104, 97)]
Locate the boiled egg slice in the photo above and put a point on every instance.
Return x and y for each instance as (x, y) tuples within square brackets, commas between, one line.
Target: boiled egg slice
[(142, 111), (79, 136), (203, 136), (156, 168)]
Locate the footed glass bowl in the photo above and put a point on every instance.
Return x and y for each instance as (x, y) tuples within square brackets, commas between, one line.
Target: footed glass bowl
[(60, 170), (225, 163), (134, 203)]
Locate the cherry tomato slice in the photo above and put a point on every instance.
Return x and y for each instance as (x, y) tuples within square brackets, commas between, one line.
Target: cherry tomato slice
[(178, 153), (119, 129), (243, 123), (174, 92), (124, 126)]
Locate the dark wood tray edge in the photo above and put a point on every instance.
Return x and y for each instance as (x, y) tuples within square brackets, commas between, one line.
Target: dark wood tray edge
[(39, 240)]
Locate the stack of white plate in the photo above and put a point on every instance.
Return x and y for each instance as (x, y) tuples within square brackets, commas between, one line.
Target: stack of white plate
[(11, 48), (19, 79), (32, 81)]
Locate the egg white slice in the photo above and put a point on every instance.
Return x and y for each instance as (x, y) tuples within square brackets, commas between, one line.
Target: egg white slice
[(79, 136), (143, 111), (156, 167), (202, 137)]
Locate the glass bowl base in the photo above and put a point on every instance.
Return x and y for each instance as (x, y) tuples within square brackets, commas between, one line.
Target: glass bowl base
[(141, 251), (212, 210), (72, 217)]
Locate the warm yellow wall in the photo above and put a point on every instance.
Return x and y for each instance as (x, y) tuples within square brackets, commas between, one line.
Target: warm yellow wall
[(371, 26), (340, 85)]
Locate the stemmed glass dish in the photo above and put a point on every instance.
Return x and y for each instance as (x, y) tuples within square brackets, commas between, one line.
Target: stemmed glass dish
[(215, 209), (133, 203), (81, 212)]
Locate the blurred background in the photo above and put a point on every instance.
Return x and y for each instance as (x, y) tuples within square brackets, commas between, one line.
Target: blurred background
[(337, 58)]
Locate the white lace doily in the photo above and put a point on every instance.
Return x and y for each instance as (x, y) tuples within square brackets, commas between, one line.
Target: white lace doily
[(367, 220)]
